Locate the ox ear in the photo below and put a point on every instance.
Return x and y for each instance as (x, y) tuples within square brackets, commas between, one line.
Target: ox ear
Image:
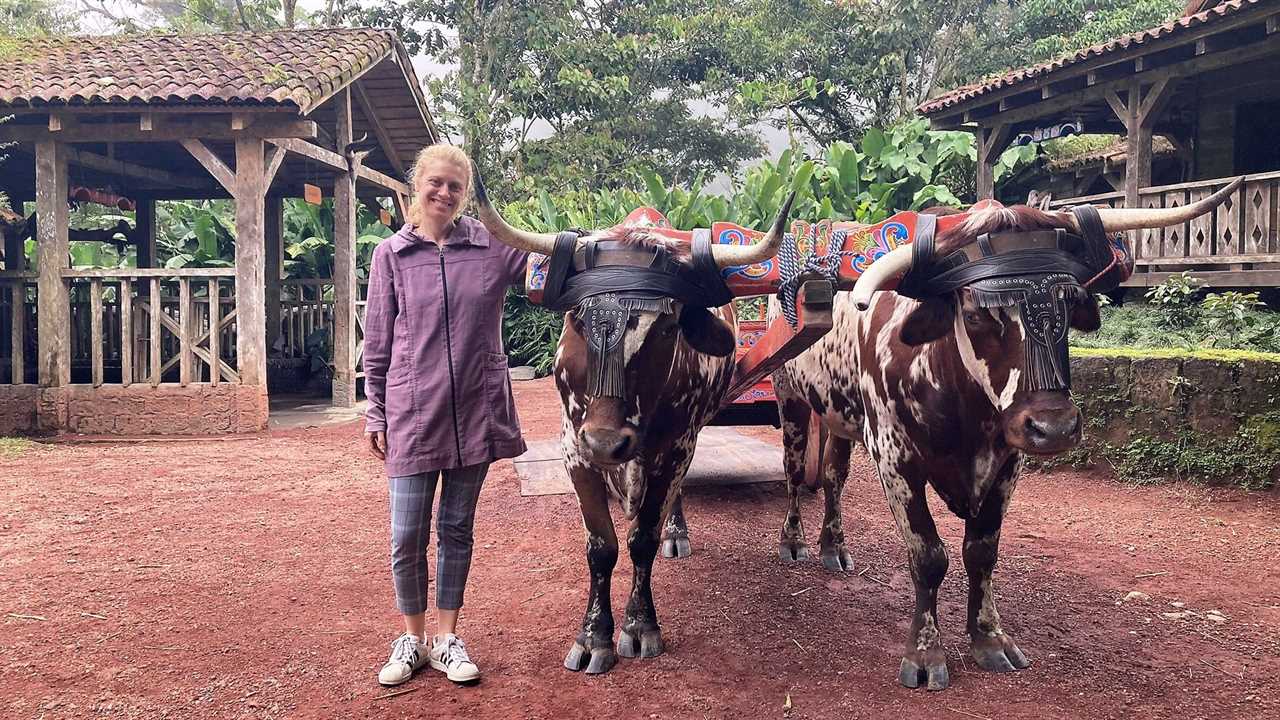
[(706, 333), (933, 318), (1085, 315)]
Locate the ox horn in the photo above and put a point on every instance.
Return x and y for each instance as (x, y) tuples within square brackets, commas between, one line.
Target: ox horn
[(542, 243), (734, 255), (895, 264), (1117, 219)]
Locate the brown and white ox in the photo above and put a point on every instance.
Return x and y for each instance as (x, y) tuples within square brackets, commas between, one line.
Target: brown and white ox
[(936, 391), (636, 447)]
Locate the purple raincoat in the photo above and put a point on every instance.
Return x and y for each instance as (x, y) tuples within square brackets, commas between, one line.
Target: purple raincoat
[(435, 373)]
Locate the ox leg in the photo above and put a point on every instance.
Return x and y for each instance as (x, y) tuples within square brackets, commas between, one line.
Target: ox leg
[(991, 647), (835, 473), (925, 659), (675, 533), (795, 436), (641, 636), (593, 648)]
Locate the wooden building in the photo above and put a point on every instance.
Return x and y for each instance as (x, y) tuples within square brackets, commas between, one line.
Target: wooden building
[(1208, 83), (254, 117)]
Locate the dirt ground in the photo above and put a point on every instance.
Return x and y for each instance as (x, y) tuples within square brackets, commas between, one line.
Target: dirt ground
[(248, 578)]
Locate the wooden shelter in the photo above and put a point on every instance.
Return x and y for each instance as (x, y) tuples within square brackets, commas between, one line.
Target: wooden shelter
[(254, 117), (1209, 83)]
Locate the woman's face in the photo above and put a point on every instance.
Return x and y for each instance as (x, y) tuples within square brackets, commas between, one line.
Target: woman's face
[(442, 190)]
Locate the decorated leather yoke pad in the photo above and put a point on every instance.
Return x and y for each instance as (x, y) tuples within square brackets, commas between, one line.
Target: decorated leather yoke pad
[(606, 281)]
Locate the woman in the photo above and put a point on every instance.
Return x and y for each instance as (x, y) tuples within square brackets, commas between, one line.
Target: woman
[(440, 400)]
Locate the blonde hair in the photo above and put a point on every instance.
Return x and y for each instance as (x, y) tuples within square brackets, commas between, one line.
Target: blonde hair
[(446, 153)]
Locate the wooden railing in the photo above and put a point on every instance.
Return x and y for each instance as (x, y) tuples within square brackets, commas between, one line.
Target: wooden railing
[(1241, 231), (306, 305), (156, 326), (17, 327), (1111, 199)]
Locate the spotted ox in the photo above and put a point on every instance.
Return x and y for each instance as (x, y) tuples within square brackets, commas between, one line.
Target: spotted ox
[(941, 393), (632, 435)]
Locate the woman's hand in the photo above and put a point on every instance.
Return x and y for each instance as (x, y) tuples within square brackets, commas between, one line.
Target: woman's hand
[(377, 443)]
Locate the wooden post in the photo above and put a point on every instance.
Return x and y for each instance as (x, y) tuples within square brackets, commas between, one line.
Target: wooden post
[(273, 269), (145, 232), (1138, 111), (992, 141), (251, 317), (344, 265), (126, 332), (15, 247), (95, 330), (52, 248)]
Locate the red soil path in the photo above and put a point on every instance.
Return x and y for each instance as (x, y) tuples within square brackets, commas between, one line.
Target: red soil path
[(247, 578)]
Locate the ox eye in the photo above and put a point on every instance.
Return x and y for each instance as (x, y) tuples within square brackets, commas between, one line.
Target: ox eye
[(972, 317)]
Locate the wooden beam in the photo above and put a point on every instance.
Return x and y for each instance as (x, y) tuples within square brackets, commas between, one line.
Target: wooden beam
[(275, 156), (144, 230), (781, 342), (379, 131), (991, 142), (344, 266), (207, 129), (1118, 105), (124, 169), (1155, 100), (148, 272), (52, 250), (400, 201), (273, 229), (225, 176), (250, 193), (328, 158), (382, 180)]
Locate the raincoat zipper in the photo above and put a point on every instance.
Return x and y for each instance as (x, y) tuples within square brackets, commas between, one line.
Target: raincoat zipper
[(448, 349)]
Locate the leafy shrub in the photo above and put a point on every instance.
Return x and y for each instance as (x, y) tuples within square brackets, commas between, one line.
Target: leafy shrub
[(530, 333)]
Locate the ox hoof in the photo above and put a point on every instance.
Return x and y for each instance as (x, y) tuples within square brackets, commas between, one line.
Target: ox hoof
[(935, 676), (676, 547), (998, 654), (650, 644), (837, 560), (793, 551), (594, 661)]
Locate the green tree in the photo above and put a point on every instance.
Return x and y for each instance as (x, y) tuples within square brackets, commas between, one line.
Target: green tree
[(577, 93)]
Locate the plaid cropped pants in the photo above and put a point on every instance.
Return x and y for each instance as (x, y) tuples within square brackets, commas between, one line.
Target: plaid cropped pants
[(411, 499)]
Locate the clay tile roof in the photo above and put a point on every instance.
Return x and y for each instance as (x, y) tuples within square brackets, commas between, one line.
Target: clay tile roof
[(1170, 29), (298, 67)]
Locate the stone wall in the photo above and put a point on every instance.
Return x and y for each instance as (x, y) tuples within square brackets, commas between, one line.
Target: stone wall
[(18, 409), (1205, 415), (134, 410)]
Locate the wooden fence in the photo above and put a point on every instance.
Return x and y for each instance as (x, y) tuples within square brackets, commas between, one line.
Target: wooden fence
[(156, 326), (17, 327)]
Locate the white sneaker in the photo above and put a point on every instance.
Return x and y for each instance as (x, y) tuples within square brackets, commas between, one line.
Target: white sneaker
[(406, 658), (449, 655)]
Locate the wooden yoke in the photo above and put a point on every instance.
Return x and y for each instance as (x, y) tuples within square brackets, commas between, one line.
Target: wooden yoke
[(781, 342)]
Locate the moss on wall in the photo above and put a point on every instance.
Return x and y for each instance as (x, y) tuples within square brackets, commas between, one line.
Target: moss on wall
[(1209, 415)]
